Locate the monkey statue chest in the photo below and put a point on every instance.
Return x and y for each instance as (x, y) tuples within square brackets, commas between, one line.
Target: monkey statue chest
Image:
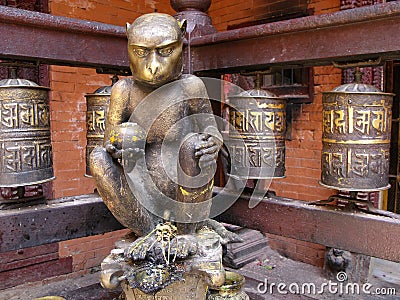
[(171, 125)]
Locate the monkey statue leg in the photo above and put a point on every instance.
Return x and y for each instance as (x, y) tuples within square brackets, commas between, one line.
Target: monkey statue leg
[(195, 185), (113, 188), (190, 165), (190, 190)]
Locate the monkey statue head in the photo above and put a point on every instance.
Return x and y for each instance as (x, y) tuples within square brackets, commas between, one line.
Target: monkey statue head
[(155, 44)]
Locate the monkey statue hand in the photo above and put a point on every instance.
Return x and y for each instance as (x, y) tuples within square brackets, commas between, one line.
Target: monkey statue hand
[(126, 143), (207, 150)]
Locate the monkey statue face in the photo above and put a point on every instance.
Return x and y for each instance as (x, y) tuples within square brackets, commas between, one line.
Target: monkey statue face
[(155, 48)]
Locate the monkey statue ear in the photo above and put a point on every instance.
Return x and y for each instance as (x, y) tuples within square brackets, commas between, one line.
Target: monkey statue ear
[(127, 26), (183, 25)]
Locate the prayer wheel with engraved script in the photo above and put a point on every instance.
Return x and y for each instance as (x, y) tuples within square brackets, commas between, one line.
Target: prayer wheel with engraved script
[(257, 135), (25, 145), (356, 138), (97, 107)]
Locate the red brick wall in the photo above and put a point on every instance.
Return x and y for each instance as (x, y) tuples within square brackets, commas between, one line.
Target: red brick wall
[(69, 86), (324, 6), (306, 252), (88, 252), (228, 14), (116, 12), (56, 261), (225, 12), (68, 127), (32, 264)]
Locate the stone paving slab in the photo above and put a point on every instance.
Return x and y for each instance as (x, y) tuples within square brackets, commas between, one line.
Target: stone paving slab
[(264, 276)]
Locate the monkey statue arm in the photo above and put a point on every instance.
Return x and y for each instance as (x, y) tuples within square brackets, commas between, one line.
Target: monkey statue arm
[(108, 172), (118, 113)]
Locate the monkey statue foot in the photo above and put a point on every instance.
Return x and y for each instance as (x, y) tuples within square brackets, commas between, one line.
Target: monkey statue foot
[(162, 245), (225, 235), (162, 258)]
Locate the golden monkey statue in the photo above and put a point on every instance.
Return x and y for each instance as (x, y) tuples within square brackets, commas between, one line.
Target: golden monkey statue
[(158, 103)]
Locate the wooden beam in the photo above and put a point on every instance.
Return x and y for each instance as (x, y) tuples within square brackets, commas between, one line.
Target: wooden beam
[(354, 231), (64, 219), (33, 36), (361, 33), (87, 215)]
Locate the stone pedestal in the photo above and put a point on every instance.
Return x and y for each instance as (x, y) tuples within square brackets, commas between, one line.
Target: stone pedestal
[(164, 275), (193, 287)]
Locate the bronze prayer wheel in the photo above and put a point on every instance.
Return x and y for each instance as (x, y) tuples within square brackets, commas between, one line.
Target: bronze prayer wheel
[(356, 129), (257, 143), (25, 145), (97, 107)]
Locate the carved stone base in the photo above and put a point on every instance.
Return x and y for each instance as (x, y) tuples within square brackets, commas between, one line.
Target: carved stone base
[(193, 287), (160, 274)]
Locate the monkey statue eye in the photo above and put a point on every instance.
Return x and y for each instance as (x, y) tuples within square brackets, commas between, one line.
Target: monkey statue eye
[(141, 52), (166, 51)]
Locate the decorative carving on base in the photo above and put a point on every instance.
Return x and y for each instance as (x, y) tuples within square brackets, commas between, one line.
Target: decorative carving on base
[(163, 270)]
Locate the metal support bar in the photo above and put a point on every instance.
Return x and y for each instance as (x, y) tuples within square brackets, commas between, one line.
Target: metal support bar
[(354, 34), (43, 224), (33, 36), (356, 232), (361, 33), (87, 215)]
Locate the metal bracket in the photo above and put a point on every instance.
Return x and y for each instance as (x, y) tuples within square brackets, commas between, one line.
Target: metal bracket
[(361, 64), (15, 63), (121, 72), (351, 203)]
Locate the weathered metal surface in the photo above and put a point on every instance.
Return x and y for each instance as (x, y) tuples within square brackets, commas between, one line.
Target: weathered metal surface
[(355, 232), (25, 145), (193, 286), (313, 40), (195, 13), (356, 138), (97, 108), (66, 41), (257, 135), (232, 289), (41, 224), (61, 40)]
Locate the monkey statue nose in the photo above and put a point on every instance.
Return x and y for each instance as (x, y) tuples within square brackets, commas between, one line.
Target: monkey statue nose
[(153, 69)]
